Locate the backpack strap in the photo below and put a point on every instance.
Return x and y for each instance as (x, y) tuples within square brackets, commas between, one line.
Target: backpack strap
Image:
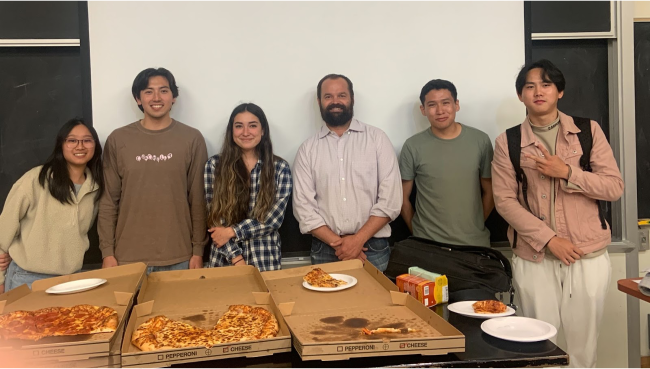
[(586, 142), (513, 135)]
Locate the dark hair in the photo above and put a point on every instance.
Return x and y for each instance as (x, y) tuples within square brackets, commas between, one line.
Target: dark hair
[(232, 180), (550, 74), (55, 170), (334, 76), (438, 84), (141, 82)]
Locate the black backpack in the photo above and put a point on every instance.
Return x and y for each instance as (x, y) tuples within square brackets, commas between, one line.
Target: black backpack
[(474, 272), (513, 135)]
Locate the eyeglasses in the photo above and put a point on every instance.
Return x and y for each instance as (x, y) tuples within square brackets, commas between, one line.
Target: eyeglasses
[(71, 143)]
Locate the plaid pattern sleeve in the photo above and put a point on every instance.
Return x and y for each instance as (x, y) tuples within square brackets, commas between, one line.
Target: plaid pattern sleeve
[(261, 240), (252, 228)]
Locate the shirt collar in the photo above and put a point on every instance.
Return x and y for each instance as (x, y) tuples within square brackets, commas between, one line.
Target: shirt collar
[(529, 138)]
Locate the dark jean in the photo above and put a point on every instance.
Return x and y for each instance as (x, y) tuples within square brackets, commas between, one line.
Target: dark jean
[(163, 268), (17, 276), (378, 252)]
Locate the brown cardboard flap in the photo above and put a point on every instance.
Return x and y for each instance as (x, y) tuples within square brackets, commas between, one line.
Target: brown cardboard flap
[(286, 308), (2, 305), (301, 271), (108, 273), (13, 295), (123, 298), (262, 298), (143, 309), (380, 277), (399, 298), (203, 273)]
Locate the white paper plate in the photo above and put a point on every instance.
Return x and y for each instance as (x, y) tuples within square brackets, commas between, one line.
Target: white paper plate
[(465, 308), (344, 277), (519, 329), (76, 286)]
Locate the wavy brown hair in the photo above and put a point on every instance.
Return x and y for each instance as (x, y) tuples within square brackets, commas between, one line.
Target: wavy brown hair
[(231, 192)]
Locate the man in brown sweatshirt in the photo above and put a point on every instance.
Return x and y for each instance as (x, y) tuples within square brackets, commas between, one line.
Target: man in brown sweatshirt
[(153, 209)]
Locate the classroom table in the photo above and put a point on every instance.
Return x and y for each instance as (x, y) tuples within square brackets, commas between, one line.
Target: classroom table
[(481, 350), (632, 288)]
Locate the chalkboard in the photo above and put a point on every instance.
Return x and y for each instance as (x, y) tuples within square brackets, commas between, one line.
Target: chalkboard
[(570, 16), (39, 19), (585, 69), (642, 103)]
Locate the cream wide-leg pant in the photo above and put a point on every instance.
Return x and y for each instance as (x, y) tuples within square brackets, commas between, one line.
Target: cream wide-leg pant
[(572, 297)]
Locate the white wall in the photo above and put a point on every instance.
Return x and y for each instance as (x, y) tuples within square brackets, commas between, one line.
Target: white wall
[(641, 10), (273, 54)]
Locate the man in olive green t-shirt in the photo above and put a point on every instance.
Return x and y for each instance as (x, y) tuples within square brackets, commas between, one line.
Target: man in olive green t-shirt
[(451, 166)]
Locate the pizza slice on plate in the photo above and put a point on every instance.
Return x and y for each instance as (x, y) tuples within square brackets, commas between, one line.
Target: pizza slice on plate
[(319, 278), (489, 307)]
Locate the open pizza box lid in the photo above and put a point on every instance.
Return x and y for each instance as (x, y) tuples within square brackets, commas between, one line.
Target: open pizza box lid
[(200, 297), (117, 292), (327, 325)]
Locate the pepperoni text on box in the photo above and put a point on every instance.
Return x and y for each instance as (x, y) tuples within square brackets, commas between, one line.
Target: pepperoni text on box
[(178, 355), (360, 348)]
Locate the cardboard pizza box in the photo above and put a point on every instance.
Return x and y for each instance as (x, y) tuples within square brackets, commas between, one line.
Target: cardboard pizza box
[(327, 325), (118, 292), (99, 360), (199, 297)]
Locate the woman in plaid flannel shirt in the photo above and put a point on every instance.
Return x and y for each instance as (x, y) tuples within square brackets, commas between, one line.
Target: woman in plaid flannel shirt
[(246, 189)]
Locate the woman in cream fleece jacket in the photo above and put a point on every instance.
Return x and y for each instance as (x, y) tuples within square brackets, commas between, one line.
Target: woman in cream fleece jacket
[(45, 221)]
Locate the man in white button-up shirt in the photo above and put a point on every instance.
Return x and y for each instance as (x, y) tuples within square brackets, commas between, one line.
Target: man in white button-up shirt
[(347, 185)]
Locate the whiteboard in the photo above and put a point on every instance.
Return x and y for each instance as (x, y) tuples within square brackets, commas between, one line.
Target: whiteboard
[(274, 54)]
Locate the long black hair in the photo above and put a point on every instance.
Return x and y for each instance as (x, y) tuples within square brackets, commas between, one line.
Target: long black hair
[(55, 170)]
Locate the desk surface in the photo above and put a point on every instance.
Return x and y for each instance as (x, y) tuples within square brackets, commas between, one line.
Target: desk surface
[(632, 288), (481, 350)]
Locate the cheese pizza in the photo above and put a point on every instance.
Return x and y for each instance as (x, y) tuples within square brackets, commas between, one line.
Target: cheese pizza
[(489, 307), (239, 323), (319, 278), (58, 321)]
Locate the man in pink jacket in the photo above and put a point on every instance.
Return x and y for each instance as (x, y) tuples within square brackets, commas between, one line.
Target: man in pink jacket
[(558, 233)]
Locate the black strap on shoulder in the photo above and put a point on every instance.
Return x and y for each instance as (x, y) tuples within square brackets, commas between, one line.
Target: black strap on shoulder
[(586, 142), (513, 136)]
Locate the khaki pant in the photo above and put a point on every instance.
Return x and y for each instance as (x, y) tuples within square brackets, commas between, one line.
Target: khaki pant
[(572, 297)]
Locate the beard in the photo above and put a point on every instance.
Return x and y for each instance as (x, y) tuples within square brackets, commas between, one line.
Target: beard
[(337, 119)]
